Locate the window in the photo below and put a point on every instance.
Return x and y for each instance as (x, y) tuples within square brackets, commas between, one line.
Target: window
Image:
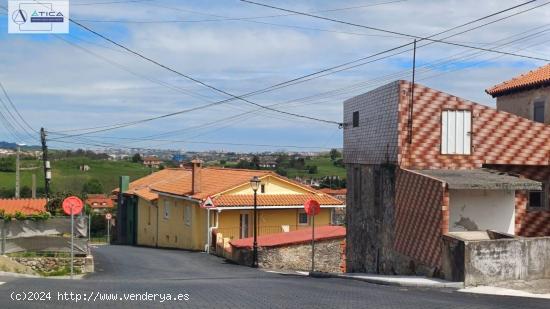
[(303, 219), (187, 213), (166, 209), (243, 226), (456, 132), (538, 112), (262, 188), (538, 199), (148, 215), (355, 119), (535, 199)]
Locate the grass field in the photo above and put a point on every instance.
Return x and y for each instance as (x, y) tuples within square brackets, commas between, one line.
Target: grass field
[(66, 175), (324, 168), (324, 164)]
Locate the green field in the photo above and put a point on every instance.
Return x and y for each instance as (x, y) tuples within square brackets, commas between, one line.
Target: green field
[(324, 168), (66, 175)]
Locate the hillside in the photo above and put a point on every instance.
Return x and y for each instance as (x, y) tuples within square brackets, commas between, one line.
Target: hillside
[(66, 175)]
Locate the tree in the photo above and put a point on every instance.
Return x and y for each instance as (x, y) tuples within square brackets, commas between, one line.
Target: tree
[(7, 164), (281, 171), (256, 162), (312, 169), (334, 154), (92, 186), (137, 158), (26, 192)]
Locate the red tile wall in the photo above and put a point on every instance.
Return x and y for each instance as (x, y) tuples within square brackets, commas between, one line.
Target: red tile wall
[(419, 217), (497, 137), (529, 222)]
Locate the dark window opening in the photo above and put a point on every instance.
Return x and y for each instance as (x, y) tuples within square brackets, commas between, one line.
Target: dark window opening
[(535, 199), (538, 112), (355, 119), (302, 218), (262, 188)]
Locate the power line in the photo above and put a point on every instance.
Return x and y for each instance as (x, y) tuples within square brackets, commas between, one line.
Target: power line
[(15, 108), (262, 106), (398, 33), (261, 91), (344, 65), (109, 2), (209, 142), (195, 79)]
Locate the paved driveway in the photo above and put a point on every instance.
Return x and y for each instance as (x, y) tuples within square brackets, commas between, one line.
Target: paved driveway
[(131, 273)]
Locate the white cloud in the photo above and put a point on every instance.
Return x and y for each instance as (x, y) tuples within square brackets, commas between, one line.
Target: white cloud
[(60, 87)]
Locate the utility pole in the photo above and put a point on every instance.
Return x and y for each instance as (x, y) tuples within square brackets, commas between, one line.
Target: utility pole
[(17, 175), (33, 185), (47, 171)]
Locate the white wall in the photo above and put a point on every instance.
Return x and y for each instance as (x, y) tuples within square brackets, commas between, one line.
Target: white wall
[(484, 209)]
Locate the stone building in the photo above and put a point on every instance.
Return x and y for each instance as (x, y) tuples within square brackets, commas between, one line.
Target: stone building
[(527, 95), (421, 169)]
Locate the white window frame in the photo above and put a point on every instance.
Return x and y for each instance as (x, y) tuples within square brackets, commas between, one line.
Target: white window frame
[(166, 209), (187, 215), (456, 132), (300, 212)]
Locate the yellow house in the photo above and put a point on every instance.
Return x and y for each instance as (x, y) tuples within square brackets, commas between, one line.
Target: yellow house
[(170, 212)]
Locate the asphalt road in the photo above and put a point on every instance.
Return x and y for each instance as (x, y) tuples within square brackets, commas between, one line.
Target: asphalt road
[(202, 281)]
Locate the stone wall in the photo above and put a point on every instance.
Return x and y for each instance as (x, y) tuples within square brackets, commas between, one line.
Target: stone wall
[(329, 256), (48, 264), (483, 262), (370, 219)]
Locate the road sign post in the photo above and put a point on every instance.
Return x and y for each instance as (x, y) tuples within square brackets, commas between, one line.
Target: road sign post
[(108, 217), (71, 206), (208, 204), (312, 208)]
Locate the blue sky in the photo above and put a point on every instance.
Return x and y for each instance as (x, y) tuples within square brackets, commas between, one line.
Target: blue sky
[(77, 80)]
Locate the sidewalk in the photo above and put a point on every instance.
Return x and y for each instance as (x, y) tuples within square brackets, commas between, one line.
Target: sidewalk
[(404, 281), (493, 290)]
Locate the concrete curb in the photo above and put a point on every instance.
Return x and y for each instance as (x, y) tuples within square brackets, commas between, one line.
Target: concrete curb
[(17, 275), (393, 280)]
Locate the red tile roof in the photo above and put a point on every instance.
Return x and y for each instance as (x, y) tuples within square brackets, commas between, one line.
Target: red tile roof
[(535, 78), (99, 201), (213, 181), (334, 191), (142, 186), (292, 238), (230, 200), (154, 159), (25, 206)]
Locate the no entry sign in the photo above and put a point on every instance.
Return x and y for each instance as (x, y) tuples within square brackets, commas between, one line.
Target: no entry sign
[(72, 205), (312, 207)]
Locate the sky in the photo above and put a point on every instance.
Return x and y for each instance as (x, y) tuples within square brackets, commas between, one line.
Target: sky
[(68, 82)]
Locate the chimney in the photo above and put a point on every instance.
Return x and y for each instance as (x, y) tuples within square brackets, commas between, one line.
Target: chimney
[(196, 167)]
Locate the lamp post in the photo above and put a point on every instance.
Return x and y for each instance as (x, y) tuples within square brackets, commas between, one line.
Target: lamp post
[(255, 184)]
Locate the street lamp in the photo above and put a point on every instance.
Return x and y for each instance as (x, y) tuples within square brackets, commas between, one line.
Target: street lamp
[(255, 184)]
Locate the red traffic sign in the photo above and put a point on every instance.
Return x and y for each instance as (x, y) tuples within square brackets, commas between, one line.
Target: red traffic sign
[(72, 205), (208, 203), (312, 207), (108, 216)]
